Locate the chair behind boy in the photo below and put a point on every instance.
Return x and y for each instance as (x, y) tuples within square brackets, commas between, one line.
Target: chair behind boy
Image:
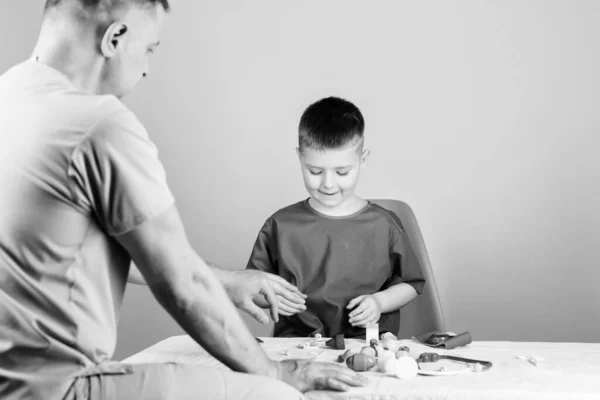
[(423, 315)]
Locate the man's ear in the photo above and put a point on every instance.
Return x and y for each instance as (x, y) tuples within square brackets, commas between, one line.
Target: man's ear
[(365, 154), (113, 39)]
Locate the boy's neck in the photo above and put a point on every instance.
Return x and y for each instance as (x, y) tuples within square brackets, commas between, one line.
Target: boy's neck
[(349, 207)]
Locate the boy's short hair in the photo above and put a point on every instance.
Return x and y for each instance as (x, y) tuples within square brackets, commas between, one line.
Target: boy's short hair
[(330, 123), (107, 4)]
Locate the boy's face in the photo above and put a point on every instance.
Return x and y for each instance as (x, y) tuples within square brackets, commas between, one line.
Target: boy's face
[(331, 175)]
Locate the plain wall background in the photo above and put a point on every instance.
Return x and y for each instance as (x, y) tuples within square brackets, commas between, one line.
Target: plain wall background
[(482, 115)]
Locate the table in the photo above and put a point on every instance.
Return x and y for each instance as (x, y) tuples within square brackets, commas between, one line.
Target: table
[(568, 371)]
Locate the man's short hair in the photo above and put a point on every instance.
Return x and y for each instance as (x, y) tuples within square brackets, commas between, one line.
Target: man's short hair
[(330, 123), (94, 4)]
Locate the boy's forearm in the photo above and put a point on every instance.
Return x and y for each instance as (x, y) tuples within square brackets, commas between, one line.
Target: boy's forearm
[(395, 297)]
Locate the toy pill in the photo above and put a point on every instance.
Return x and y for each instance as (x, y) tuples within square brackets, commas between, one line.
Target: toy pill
[(370, 351), (383, 357), (477, 367), (392, 345), (361, 362), (405, 367), (402, 351), (389, 366)]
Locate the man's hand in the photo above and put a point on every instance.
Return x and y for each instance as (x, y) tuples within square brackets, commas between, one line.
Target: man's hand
[(287, 307), (306, 375), (290, 299), (367, 310), (250, 290)]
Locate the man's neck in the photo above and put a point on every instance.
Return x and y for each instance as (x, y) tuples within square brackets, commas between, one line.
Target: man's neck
[(78, 62)]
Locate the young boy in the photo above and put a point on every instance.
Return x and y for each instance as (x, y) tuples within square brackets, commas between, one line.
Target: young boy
[(350, 257)]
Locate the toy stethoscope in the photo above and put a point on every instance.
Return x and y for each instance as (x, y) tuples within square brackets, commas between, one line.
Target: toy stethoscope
[(472, 365)]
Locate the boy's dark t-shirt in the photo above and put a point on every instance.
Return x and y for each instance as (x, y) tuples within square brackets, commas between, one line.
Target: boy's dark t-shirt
[(333, 260)]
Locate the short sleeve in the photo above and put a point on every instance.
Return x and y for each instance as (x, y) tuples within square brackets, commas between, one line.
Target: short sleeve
[(405, 265), (115, 173), (264, 252)]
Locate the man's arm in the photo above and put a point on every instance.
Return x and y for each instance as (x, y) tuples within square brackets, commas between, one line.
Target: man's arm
[(187, 288), (262, 258), (243, 285), (135, 276)]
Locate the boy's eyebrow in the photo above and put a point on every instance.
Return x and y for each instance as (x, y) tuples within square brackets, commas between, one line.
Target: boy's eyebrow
[(155, 43)]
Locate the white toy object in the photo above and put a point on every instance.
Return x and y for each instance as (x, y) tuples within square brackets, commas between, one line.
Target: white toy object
[(383, 357), (533, 360), (402, 352), (391, 345), (389, 366), (390, 341), (309, 354), (312, 344), (372, 332), (402, 368)]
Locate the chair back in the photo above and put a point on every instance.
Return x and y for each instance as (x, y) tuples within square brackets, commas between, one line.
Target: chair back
[(423, 315)]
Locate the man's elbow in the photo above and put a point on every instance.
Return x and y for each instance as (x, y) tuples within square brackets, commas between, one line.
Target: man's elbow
[(172, 294), (184, 289)]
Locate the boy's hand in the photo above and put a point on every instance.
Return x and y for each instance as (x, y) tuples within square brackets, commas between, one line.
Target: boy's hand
[(367, 310)]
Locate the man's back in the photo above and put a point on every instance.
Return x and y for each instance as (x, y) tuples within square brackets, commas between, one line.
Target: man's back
[(61, 276)]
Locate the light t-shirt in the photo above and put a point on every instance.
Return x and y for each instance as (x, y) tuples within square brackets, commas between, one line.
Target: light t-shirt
[(76, 170)]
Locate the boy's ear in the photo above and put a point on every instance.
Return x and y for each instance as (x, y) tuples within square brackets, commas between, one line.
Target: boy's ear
[(365, 154), (113, 39), (298, 152)]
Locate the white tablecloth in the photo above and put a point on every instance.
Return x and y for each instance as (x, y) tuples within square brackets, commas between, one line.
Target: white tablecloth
[(568, 371)]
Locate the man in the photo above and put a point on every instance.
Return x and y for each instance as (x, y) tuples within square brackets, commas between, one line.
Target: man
[(82, 194)]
